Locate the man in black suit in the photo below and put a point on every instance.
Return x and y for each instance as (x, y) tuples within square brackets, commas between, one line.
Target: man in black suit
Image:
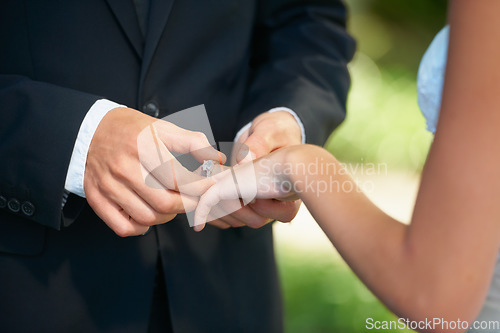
[(63, 67)]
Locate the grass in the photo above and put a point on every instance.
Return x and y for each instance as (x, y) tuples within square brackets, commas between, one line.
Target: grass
[(322, 294)]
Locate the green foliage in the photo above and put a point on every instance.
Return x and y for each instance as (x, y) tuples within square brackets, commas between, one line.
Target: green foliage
[(383, 123), (395, 32), (322, 294)]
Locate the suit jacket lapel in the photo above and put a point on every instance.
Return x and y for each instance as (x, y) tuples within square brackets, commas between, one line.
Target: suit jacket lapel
[(158, 15), (126, 15)]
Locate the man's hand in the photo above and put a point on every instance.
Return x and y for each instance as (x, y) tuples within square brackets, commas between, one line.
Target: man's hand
[(131, 178), (269, 131)]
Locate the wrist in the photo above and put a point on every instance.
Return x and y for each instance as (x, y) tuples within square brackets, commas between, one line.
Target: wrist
[(305, 164), (74, 182)]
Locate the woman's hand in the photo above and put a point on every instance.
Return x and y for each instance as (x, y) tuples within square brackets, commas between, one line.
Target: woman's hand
[(265, 178)]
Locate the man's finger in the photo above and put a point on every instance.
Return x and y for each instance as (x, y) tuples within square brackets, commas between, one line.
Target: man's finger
[(219, 224), (270, 131), (183, 141), (239, 150), (250, 217), (115, 217), (219, 213), (172, 175), (258, 146), (163, 200), (159, 166), (138, 209), (283, 211)]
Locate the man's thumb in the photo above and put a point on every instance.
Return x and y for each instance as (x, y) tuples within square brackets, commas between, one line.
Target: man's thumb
[(254, 147)]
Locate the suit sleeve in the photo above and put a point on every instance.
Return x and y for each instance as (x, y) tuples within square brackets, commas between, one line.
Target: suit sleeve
[(39, 123), (300, 55)]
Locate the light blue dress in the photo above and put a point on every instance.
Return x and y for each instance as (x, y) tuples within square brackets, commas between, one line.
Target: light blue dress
[(430, 87)]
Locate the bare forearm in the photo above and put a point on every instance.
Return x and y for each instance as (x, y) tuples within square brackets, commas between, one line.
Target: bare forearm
[(407, 267), (376, 246), (357, 228)]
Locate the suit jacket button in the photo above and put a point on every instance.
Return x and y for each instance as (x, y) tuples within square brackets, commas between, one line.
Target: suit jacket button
[(152, 109), (28, 208), (3, 201), (14, 205)]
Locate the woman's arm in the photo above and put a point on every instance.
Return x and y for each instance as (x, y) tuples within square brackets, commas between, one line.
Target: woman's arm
[(440, 265)]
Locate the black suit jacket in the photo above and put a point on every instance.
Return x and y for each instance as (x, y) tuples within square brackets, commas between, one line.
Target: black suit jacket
[(65, 271)]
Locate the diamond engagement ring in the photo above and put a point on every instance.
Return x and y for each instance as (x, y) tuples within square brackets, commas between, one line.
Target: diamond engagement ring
[(207, 168)]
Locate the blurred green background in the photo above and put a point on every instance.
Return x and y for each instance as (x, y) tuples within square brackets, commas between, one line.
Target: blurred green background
[(383, 125), (383, 121)]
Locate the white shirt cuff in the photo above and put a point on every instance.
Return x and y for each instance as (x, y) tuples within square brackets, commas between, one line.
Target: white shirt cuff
[(290, 111), (76, 169)]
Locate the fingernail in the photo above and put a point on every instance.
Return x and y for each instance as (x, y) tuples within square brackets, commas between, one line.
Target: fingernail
[(221, 157)]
